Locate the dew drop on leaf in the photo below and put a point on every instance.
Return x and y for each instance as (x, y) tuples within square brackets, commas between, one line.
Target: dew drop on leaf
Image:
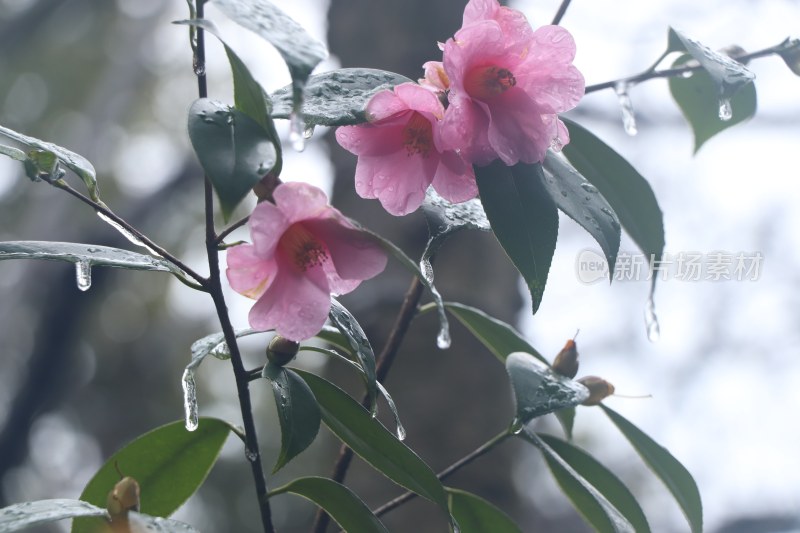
[(83, 275), (725, 109)]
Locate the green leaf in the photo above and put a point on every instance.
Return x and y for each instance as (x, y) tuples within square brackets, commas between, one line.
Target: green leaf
[(627, 192), (367, 437), (699, 100), (592, 505), (790, 53), (234, 150), (298, 412), (674, 475), (476, 515), (345, 508), (359, 346), (169, 463), (28, 514), (299, 50), (523, 217), (338, 97), (500, 338), (13, 153), (583, 203), (602, 479), (334, 337), (71, 160), (538, 390)]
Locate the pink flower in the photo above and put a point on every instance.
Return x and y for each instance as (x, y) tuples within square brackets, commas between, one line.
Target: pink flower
[(398, 157), (303, 250), (507, 84), (435, 77)]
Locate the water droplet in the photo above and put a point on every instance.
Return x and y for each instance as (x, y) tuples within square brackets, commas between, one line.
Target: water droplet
[(125, 233), (556, 144), (296, 128), (588, 187), (687, 74), (229, 119), (199, 69), (725, 109), (443, 338), (401, 431), (208, 120), (251, 455), (189, 399), (83, 275), (628, 118), (517, 426), (426, 268), (651, 321), (308, 132)]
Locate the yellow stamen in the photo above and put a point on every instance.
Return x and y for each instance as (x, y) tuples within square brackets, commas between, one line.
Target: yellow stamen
[(302, 248)]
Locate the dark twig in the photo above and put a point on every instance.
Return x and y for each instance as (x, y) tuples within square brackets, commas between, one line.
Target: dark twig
[(562, 10), (230, 229)]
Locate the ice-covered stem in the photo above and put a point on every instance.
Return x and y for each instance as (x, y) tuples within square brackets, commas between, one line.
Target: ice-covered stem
[(214, 286), (384, 363), (562, 10), (651, 73), (453, 468)]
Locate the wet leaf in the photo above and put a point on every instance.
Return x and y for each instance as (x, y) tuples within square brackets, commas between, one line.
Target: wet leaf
[(341, 503), (583, 203), (523, 217), (169, 463), (359, 346), (13, 153), (593, 506), (298, 412), (338, 97), (76, 163), (367, 437), (602, 479), (674, 475), (234, 150), (538, 390), (476, 515)]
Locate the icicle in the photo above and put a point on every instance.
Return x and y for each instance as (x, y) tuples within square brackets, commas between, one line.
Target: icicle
[(628, 118), (443, 338), (297, 128), (125, 233), (651, 320), (189, 399), (725, 109), (426, 268), (83, 275)]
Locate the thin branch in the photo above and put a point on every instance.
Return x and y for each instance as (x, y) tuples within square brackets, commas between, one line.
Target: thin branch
[(453, 468), (651, 73), (144, 239), (230, 229), (562, 10), (385, 360)]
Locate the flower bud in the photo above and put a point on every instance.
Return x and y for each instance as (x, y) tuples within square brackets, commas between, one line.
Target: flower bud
[(566, 362), (123, 497), (281, 350), (599, 389)]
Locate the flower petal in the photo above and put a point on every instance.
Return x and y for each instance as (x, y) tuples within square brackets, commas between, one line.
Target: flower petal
[(354, 254), (373, 139), (516, 130), (455, 179), (267, 223), (248, 273), (400, 180), (300, 201), (383, 105)]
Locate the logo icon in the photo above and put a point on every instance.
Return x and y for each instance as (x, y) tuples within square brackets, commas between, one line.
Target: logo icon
[(591, 267)]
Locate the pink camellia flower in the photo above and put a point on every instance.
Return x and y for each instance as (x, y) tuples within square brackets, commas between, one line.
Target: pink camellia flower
[(303, 250), (507, 84), (398, 157), (435, 77)]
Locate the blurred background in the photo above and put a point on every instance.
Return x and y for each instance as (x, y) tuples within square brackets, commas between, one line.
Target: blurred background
[(83, 373)]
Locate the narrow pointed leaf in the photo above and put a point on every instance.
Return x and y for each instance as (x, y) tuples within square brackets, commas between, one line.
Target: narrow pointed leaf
[(367, 437), (76, 163), (338, 97), (523, 217), (538, 390), (602, 479), (476, 515), (169, 463), (215, 345), (359, 345), (298, 412), (592, 505), (627, 192), (334, 337), (234, 150), (299, 50), (583, 203), (341, 503), (674, 475)]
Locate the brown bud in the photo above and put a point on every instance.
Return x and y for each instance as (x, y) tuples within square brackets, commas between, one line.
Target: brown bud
[(599, 389), (566, 362), (281, 350), (123, 497)]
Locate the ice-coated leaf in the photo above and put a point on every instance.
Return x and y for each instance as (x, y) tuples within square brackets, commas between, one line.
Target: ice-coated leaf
[(234, 150), (299, 50), (13, 153), (169, 463), (215, 345), (699, 100), (538, 390), (341, 503), (298, 412), (627, 192), (338, 97), (347, 324), (367, 437), (76, 163), (583, 203), (592, 505), (674, 475), (524, 219), (602, 479), (476, 515)]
